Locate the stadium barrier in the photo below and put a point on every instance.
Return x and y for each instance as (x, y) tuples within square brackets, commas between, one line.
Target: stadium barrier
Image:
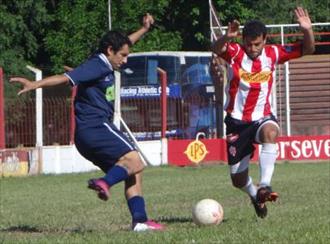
[(19, 162), (58, 159), (66, 159)]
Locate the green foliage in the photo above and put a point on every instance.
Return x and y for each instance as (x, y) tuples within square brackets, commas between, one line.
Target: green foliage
[(67, 212), (50, 34), (77, 26), (131, 12), (318, 10), (22, 25), (235, 9)]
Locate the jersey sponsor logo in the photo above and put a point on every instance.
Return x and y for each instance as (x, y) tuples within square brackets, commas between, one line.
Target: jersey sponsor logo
[(196, 151), (110, 93), (257, 77)]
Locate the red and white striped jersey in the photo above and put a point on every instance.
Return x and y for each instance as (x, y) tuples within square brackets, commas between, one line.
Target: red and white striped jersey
[(250, 81)]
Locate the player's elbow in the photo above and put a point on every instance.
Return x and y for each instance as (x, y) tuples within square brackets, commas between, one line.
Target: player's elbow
[(218, 49), (309, 50)]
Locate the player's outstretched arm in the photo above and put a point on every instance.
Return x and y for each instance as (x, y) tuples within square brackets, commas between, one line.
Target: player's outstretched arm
[(220, 45), (148, 21), (305, 24), (28, 85)]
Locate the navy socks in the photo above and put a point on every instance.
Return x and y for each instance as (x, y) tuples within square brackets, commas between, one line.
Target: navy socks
[(137, 208), (115, 175), (135, 204)]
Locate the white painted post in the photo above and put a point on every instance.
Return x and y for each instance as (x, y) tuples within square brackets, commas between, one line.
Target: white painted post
[(117, 106), (39, 129), (287, 91), (287, 99)]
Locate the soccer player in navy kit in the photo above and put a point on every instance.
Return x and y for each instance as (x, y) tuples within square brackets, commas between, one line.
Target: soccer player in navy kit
[(96, 137)]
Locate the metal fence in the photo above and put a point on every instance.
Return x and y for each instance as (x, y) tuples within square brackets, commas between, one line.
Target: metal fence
[(142, 115), (309, 98), (20, 120)]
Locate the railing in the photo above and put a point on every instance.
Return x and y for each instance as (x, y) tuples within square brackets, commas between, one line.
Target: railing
[(142, 115), (309, 95), (20, 119)]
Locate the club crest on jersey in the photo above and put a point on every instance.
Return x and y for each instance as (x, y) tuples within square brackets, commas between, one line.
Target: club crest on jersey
[(289, 49), (257, 77), (232, 151)]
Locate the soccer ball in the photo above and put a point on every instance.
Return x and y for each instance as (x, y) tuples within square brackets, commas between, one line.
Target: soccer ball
[(207, 212)]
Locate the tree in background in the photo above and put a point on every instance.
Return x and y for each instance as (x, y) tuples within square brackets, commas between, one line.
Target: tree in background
[(78, 25), (23, 24), (49, 34)]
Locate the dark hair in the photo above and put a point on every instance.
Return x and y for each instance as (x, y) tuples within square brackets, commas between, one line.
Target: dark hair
[(115, 39), (254, 28)]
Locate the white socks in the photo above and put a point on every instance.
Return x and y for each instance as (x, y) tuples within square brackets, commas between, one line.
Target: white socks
[(250, 188), (267, 160)]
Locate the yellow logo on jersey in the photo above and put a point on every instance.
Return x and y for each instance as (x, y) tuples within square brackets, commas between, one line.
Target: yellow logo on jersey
[(110, 93), (257, 77), (196, 151)]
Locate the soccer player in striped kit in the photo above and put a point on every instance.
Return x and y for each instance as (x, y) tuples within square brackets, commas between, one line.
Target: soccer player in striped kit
[(250, 116), (96, 137)]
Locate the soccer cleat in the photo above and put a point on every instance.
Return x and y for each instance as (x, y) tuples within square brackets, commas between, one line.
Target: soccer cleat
[(149, 225), (265, 193), (260, 208), (101, 187)]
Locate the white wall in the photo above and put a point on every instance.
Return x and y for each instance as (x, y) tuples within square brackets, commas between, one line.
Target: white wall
[(66, 159)]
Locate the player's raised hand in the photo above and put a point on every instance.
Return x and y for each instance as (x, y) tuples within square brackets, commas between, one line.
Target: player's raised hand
[(148, 21), (302, 18), (233, 29), (27, 84)]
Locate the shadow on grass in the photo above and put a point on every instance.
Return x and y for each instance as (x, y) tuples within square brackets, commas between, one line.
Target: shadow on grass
[(33, 229), (22, 228), (172, 219)]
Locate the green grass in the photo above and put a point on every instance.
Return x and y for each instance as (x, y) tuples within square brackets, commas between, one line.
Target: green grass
[(60, 209)]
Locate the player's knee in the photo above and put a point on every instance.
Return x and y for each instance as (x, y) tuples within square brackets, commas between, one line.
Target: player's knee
[(272, 135), (269, 134), (132, 162)]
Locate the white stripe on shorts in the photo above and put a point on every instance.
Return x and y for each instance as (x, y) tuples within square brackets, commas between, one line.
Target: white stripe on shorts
[(116, 134)]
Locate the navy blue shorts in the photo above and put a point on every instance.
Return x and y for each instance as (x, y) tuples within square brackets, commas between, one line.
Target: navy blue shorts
[(103, 144), (241, 137)]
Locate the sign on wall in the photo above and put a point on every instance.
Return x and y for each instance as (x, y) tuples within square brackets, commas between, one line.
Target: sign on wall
[(293, 148)]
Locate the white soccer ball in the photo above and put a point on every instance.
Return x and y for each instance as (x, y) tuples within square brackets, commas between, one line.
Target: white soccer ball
[(207, 212)]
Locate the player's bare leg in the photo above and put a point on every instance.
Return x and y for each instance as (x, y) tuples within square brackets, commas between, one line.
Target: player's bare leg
[(136, 205), (128, 165), (241, 179)]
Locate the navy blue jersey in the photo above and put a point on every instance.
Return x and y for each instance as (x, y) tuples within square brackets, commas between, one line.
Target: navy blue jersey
[(95, 94)]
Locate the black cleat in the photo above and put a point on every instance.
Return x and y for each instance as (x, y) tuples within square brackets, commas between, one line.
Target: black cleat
[(266, 194), (260, 208)]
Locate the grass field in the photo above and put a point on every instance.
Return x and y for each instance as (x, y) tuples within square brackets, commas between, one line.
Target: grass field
[(60, 209)]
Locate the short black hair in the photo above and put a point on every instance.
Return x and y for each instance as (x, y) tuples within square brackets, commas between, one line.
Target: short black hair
[(115, 39), (254, 28)]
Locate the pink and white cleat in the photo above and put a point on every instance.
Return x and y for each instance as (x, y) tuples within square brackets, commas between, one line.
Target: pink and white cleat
[(101, 187), (149, 225)]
